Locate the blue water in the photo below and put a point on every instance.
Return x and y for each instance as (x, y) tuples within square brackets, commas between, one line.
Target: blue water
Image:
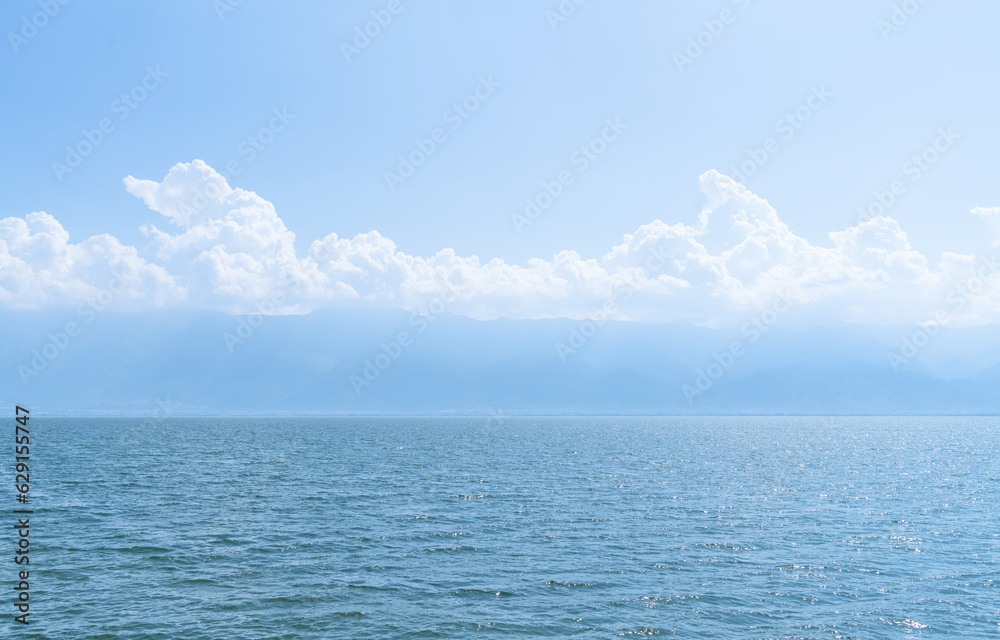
[(468, 528)]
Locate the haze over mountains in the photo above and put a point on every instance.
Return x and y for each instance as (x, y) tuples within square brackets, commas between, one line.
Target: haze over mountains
[(163, 363)]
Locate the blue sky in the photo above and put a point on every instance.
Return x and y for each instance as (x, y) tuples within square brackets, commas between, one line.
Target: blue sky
[(558, 84)]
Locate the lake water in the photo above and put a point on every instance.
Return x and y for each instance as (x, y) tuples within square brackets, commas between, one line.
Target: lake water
[(547, 527)]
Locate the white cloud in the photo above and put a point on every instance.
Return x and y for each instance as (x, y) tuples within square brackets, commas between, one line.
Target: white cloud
[(39, 267), (991, 216), (232, 246), (225, 248)]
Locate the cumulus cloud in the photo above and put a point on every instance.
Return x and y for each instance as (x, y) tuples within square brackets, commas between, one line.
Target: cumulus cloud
[(991, 216), (40, 267), (226, 248), (230, 248)]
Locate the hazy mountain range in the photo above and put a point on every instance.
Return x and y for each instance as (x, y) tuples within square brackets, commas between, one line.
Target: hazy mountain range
[(164, 363)]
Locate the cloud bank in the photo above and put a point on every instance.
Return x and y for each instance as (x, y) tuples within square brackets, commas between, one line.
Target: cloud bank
[(226, 249)]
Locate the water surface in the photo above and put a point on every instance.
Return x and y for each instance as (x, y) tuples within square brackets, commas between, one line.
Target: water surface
[(469, 528)]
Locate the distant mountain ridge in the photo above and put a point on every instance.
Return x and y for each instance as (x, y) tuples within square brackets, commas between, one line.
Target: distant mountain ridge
[(165, 363)]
